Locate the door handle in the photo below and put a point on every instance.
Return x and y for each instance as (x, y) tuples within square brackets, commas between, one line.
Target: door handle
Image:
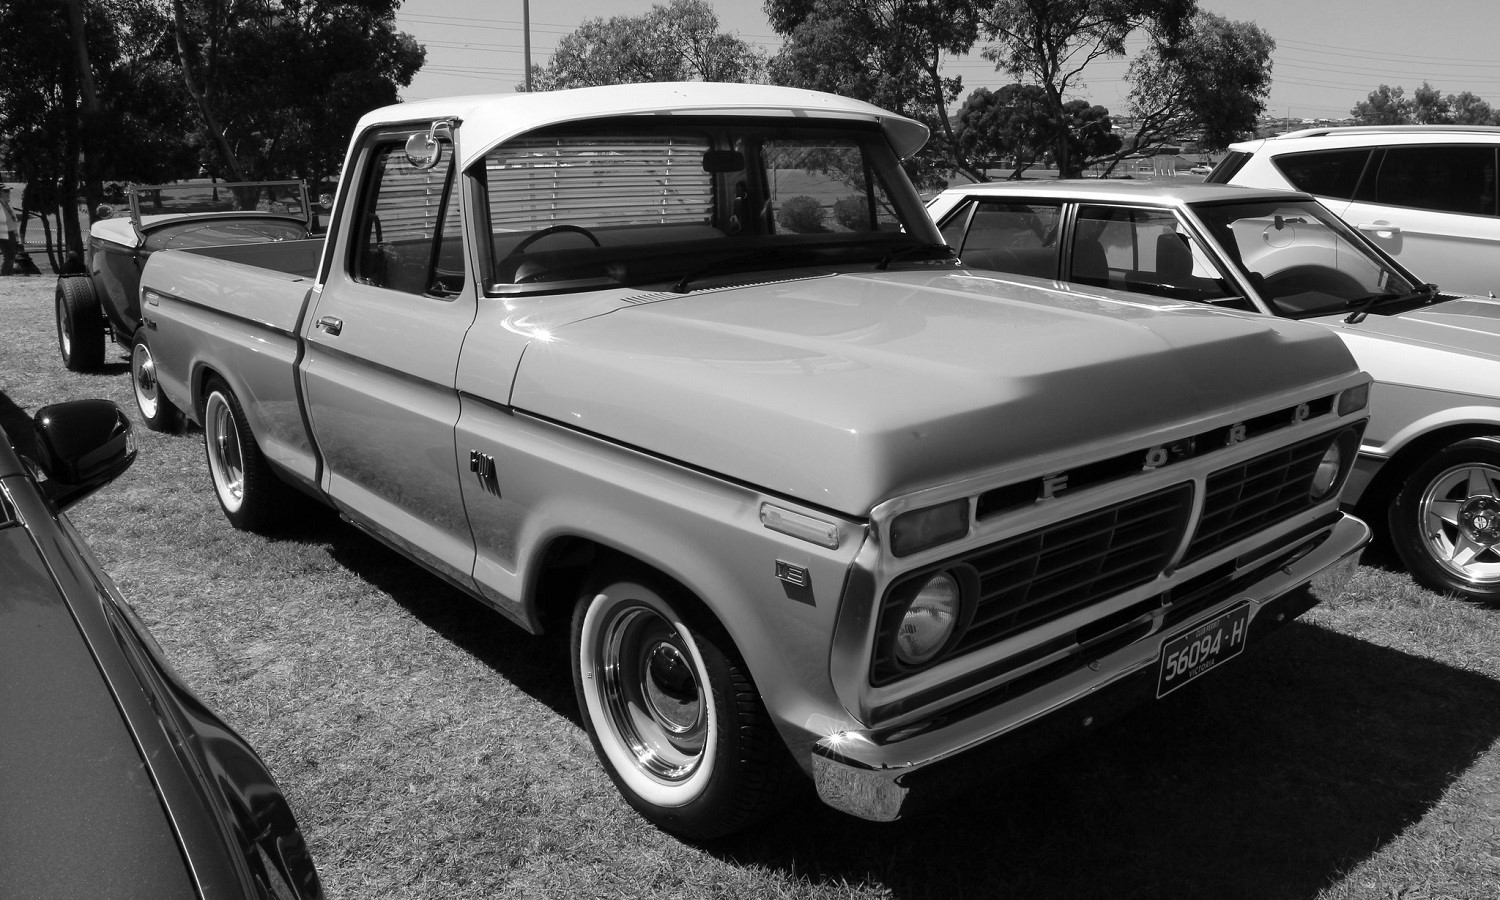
[(331, 324), (1380, 228)]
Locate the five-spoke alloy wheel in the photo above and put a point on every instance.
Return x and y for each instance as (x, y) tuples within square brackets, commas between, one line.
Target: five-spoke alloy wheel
[(1445, 523)]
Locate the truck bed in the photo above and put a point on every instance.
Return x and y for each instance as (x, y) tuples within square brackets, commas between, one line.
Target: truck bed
[(292, 257)]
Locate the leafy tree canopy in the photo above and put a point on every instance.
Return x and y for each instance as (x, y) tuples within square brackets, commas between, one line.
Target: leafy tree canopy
[(1214, 80), (279, 84), (1051, 43), (887, 52), (1013, 122), (1388, 105), (675, 41)]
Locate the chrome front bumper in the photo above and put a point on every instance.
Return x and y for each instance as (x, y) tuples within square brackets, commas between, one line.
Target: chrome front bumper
[(883, 776)]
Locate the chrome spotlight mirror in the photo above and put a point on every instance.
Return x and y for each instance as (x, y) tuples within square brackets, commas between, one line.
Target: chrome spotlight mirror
[(423, 151)]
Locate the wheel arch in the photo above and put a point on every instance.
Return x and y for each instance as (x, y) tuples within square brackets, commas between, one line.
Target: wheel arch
[(570, 561), (1381, 491)]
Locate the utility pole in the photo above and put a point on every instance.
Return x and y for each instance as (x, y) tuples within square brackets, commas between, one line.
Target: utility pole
[(526, 40)]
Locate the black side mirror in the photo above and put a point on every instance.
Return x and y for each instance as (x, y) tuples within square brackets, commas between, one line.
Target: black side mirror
[(81, 445)]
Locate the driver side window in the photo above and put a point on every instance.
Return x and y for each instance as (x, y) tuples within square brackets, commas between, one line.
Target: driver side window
[(1145, 251), (407, 236)]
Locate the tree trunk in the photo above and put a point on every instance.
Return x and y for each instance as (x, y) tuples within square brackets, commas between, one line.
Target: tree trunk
[(200, 97), (93, 187)]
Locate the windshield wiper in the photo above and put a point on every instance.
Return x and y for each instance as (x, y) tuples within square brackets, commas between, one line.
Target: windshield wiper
[(1362, 307), (912, 250), (740, 260)]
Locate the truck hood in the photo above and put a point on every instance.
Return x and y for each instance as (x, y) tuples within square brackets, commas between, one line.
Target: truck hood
[(1467, 326), (847, 390)]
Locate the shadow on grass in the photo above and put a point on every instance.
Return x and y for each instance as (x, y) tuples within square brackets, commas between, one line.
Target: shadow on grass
[(536, 665), (1269, 780)]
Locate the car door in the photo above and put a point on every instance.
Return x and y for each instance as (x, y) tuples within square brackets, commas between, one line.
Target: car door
[(383, 340), (1433, 208)]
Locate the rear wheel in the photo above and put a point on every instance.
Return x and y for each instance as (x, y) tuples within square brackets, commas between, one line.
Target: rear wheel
[(156, 410), (80, 325), (1445, 523), (671, 710), (248, 492)]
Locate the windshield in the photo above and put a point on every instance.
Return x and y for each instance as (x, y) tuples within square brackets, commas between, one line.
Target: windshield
[(1301, 259), (632, 202), (192, 197)]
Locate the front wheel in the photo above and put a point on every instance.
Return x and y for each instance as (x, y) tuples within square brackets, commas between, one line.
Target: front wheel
[(248, 492), (156, 410), (80, 325), (1445, 523), (671, 711)]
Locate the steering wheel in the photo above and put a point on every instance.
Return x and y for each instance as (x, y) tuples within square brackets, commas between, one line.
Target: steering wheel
[(552, 229)]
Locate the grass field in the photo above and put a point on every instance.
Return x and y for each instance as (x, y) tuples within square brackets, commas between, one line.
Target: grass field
[(433, 751)]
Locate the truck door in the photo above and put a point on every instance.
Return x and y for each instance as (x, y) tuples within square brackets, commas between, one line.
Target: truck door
[(382, 347)]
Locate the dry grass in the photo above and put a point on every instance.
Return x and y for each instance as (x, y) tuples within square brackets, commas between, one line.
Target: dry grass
[(432, 750)]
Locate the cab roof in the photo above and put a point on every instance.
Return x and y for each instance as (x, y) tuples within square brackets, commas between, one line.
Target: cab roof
[(489, 119)]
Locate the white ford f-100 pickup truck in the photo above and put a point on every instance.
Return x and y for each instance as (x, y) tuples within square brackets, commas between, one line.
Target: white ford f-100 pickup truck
[(686, 368)]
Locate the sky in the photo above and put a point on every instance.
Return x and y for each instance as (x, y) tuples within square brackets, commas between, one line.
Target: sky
[(1329, 53)]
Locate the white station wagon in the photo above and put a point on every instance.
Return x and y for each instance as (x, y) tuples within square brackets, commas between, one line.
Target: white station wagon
[(1429, 465)]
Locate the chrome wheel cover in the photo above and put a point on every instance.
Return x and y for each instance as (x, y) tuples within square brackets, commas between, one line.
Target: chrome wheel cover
[(222, 440), (652, 694), (1460, 522), (143, 375)]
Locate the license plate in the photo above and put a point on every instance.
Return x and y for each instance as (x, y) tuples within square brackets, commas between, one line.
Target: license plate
[(1201, 648)]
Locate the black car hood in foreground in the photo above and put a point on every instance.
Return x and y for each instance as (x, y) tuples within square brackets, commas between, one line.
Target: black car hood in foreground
[(81, 814), (115, 779)]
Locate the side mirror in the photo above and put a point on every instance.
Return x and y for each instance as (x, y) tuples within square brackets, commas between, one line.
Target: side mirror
[(424, 151), (81, 445)]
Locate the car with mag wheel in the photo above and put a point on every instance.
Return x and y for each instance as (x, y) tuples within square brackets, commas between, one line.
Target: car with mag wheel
[(102, 303), (1429, 464), (118, 781), (1426, 195)]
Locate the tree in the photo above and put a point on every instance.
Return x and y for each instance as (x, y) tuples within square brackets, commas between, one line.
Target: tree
[(887, 52), (1014, 121), (1388, 105), (1213, 81), (279, 84), (87, 95), (1429, 107), (1468, 109), (1051, 42), (677, 41), (1385, 105)]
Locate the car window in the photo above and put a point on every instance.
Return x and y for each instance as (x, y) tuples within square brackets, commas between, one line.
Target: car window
[(1146, 251), (1228, 167), (1458, 179), (1327, 173), (954, 226), (408, 233), (1020, 238), (633, 202), (1300, 258)]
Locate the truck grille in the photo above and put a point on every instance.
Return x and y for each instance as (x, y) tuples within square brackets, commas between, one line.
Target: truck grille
[(1243, 499), (1040, 576)]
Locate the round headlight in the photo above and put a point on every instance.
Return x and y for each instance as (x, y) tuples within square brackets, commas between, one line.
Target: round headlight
[(929, 620), (1328, 472)]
